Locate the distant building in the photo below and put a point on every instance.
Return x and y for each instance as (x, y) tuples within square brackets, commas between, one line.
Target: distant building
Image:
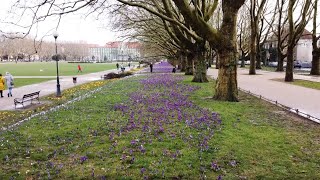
[(115, 51), (302, 51)]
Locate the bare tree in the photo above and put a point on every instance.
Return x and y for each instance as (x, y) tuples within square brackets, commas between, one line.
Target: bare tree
[(256, 10), (295, 32), (281, 32), (315, 69), (244, 34), (194, 21)]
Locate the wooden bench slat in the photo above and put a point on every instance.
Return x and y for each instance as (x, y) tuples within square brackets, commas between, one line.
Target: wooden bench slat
[(27, 97)]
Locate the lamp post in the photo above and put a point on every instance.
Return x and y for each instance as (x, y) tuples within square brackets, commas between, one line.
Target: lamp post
[(55, 35), (122, 56)]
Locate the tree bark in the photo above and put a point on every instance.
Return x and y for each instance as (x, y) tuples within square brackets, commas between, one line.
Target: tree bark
[(253, 48), (242, 59), (315, 69), (183, 63), (258, 63), (200, 74), (217, 61), (227, 85), (189, 65), (280, 62), (289, 69)]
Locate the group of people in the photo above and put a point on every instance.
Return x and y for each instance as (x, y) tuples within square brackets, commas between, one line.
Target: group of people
[(6, 81), (122, 68)]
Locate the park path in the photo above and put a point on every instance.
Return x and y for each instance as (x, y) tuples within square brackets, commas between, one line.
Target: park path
[(48, 87), (306, 100)]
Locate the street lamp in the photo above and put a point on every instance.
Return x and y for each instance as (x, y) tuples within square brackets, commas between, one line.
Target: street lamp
[(122, 56), (55, 35)]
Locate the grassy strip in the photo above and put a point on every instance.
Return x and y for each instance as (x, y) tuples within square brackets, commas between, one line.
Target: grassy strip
[(303, 83), (18, 82), (49, 68), (85, 140), (11, 117), (267, 142)]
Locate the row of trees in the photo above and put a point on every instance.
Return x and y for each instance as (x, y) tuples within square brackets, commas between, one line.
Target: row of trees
[(28, 49), (194, 31), (198, 30)]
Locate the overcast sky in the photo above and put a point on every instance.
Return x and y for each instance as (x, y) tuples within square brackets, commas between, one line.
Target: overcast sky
[(73, 27)]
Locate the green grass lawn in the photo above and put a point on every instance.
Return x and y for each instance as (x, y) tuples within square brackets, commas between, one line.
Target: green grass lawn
[(303, 83), (49, 68), (18, 82), (88, 140)]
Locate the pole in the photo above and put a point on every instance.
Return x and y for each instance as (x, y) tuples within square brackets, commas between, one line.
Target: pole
[(58, 82)]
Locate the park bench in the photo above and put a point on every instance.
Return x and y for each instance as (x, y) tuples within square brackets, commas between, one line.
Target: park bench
[(27, 97)]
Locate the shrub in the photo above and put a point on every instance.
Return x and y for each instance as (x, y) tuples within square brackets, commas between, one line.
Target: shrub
[(113, 75), (124, 74)]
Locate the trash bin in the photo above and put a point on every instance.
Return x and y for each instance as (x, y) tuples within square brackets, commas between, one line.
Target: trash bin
[(74, 80)]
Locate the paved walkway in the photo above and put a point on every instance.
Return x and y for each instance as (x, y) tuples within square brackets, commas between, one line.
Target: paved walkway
[(305, 99), (48, 87)]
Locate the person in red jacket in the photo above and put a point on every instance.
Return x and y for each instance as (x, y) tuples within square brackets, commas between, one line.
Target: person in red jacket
[(79, 68)]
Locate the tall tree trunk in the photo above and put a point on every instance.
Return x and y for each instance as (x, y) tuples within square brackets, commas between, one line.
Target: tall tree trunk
[(279, 37), (243, 64), (189, 65), (217, 61), (315, 69), (289, 69), (200, 74), (280, 62), (227, 85), (183, 62), (253, 49), (258, 65)]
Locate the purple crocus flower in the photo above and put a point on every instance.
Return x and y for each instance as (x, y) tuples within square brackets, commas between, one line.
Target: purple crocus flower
[(133, 142), (83, 159), (233, 163), (143, 170), (215, 166)]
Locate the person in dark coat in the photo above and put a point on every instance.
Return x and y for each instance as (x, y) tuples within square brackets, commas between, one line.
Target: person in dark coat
[(151, 67)]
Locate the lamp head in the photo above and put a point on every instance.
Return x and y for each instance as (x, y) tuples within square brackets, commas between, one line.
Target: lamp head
[(55, 34)]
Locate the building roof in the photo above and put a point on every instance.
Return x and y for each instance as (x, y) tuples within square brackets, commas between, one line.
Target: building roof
[(133, 45), (118, 44), (115, 44), (306, 35)]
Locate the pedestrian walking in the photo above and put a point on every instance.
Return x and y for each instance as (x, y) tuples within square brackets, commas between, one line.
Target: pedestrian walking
[(79, 68), (117, 66), (174, 69), (151, 67), (122, 68), (9, 83), (1, 85), (129, 64)]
